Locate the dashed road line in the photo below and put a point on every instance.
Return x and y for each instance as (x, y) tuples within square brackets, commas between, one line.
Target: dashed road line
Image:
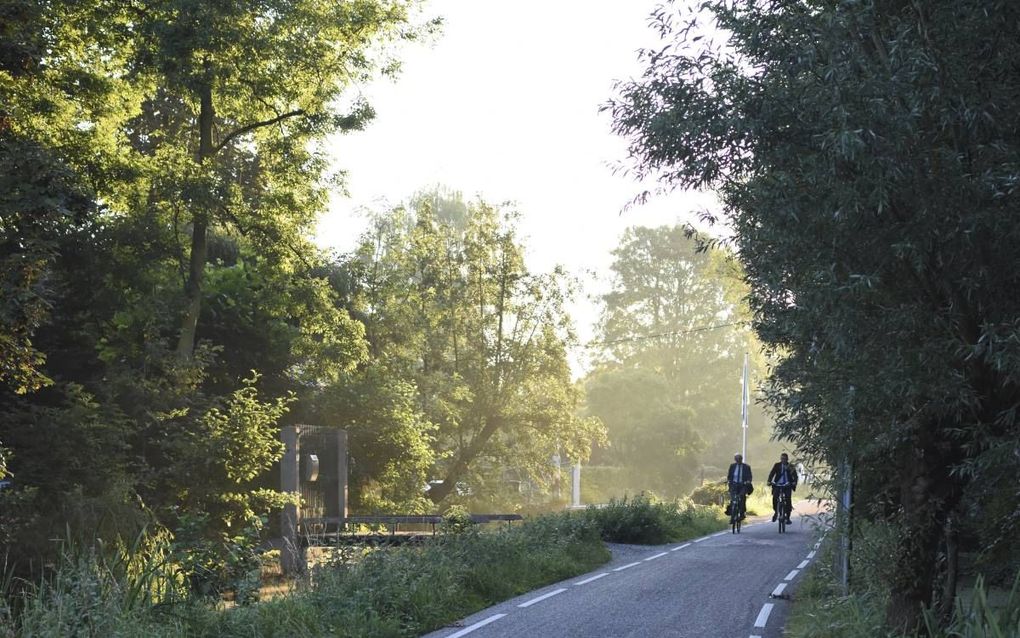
[(779, 589), (811, 555), (588, 580), (763, 615), (681, 547), (792, 575), (543, 597), (477, 625), (803, 564), (698, 540), (660, 554), (620, 569)]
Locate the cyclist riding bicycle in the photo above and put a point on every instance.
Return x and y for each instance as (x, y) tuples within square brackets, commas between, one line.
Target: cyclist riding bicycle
[(782, 477), (738, 478)]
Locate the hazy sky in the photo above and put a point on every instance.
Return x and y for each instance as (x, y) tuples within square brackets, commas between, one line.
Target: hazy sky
[(505, 105)]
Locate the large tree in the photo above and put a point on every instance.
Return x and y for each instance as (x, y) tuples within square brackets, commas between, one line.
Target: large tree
[(672, 336), (866, 155), (162, 167), (450, 305)]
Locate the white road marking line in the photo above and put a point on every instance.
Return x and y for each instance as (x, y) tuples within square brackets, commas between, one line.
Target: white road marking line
[(588, 580), (620, 569), (754, 636), (681, 547), (701, 539), (811, 555), (720, 533), (803, 564), (763, 615), (656, 556), (779, 589), (477, 625), (792, 575), (543, 597)]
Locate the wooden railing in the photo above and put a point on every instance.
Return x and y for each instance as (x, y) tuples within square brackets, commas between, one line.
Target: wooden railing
[(333, 526)]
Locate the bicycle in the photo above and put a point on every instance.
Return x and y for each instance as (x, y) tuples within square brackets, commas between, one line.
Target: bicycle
[(736, 509), (782, 508)]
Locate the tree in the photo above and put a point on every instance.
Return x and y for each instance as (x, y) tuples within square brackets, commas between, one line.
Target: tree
[(452, 308), (162, 171), (866, 156), (673, 334)]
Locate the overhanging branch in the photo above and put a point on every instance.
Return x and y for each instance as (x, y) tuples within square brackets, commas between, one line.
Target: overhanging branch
[(256, 125)]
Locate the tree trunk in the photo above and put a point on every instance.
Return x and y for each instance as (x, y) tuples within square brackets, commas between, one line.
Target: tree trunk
[(439, 492), (199, 231), (915, 569)]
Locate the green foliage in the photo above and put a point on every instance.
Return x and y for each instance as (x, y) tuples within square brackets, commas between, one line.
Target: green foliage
[(980, 618), (452, 311), (457, 520), (673, 333), (645, 520), (402, 591), (865, 158), (715, 493)]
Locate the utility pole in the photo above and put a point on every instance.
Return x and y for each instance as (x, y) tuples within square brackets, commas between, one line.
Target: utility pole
[(744, 396)]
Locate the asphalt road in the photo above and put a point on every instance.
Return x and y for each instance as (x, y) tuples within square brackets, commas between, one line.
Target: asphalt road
[(717, 586)]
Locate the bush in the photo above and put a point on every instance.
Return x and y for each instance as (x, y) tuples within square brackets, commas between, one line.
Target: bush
[(644, 520), (397, 591), (711, 494)]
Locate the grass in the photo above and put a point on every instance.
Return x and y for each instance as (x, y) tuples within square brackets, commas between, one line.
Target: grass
[(821, 610), (397, 591)]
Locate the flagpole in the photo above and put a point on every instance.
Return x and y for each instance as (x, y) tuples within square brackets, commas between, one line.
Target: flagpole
[(743, 409)]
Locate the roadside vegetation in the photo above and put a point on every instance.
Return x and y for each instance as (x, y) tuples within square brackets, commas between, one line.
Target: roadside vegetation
[(822, 608), (864, 156), (395, 591)]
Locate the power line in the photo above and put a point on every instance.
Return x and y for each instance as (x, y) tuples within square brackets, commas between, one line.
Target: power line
[(675, 333)]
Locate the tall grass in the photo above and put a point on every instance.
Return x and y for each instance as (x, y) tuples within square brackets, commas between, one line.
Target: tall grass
[(821, 610), (395, 591), (645, 520)]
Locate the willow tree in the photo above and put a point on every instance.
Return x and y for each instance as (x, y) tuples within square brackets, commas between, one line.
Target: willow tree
[(450, 306), (866, 154)]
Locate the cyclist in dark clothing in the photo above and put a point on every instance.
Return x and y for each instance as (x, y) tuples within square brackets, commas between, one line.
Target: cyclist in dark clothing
[(782, 477), (738, 478)]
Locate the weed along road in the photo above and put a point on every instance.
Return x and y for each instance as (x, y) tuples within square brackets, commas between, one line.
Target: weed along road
[(720, 586)]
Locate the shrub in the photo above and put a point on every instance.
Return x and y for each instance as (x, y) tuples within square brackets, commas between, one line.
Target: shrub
[(645, 520), (710, 494)]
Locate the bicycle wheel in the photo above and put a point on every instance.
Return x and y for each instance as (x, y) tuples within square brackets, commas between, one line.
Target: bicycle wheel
[(782, 516)]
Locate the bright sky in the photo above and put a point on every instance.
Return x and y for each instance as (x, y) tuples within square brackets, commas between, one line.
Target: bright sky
[(505, 105)]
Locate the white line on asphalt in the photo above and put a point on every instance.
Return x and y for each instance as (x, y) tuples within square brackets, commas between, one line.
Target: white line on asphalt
[(465, 631), (720, 534), (755, 636), (620, 569), (803, 564), (656, 556), (763, 615), (817, 545), (588, 580), (681, 547), (779, 589), (701, 539), (543, 597), (811, 555), (792, 575)]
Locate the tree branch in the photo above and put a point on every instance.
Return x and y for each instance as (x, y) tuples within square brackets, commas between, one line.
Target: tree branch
[(256, 125)]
